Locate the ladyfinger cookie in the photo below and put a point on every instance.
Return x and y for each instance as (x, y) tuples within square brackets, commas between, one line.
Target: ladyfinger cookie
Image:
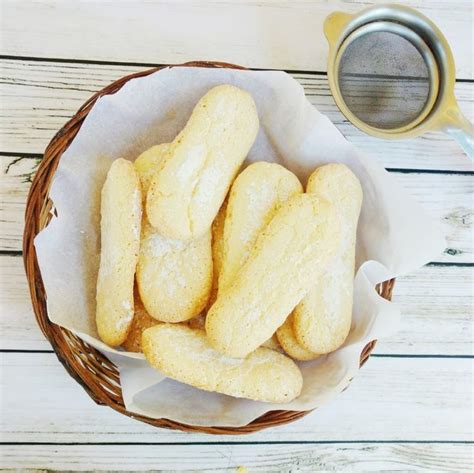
[(186, 194), (322, 320), (290, 252), (174, 277), (255, 196), (141, 321), (185, 355), (121, 213), (286, 337)]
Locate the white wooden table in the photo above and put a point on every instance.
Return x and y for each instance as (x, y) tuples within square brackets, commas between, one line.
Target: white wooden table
[(410, 407)]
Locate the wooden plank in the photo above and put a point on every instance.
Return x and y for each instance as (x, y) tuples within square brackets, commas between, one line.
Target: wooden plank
[(436, 305), (363, 457), (272, 34), (39, 97), (435, 302), (15, 180), (391, 399), (447, 197), (17, 325)]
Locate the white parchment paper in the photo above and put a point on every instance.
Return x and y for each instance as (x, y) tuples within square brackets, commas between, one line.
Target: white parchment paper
[(394, 234)]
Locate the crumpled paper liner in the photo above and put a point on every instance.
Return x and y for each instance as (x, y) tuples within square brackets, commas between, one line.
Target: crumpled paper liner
[(394, 234)]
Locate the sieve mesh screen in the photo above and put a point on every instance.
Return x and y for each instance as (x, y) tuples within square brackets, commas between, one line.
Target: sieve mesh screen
[(383, 79)]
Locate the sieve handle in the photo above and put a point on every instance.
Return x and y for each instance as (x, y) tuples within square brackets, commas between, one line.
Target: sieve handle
[(461, 129)]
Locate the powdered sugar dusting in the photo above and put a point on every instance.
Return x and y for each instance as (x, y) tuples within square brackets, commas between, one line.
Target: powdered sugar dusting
[(338, 280), (160, 245), (195, 157), (260, 194), (126, 317), (208, 182), (199, 347), (137, 212), (213, 355)]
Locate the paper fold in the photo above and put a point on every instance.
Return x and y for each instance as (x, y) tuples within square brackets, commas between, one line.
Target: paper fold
[(394, 234)]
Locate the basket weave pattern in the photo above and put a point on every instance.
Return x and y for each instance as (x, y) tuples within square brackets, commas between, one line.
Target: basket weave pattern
[(90, 368)]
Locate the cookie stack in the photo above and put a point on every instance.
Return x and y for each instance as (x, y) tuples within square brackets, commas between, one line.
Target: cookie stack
[(224, 279)]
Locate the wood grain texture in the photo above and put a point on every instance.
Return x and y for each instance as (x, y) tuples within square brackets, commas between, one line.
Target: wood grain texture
[(435, 304), (39, 97), (366, 457), (446, 197), (394, 398), (15, 180), (272, 34), (391, 399)]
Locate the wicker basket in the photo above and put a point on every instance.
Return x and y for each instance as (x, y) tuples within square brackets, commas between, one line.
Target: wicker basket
[(90, 368)]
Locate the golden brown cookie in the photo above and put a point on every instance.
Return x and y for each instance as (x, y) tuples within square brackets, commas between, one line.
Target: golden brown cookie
[(174, 277), (121, 214), (293, 249), (186, 194), (291, 346), (185, 355), (323, 318), (255, 196)]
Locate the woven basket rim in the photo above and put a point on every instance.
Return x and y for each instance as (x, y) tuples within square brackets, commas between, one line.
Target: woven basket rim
[(90, 368)]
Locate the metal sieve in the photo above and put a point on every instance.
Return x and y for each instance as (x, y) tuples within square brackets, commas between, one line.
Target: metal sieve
[(392, 74)]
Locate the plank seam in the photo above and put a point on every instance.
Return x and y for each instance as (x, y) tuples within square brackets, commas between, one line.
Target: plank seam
[(375, 355), (402, 355), (19, 154), (100, 62), (429, 171), (151, 64), (14, 350), (268, 442), (448, 264), (14, 253)]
